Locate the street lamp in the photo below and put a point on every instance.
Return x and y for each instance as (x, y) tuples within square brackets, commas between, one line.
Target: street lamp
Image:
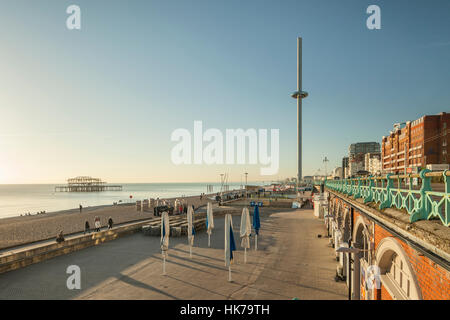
[(246, 174), (325, 161), (299, 95), (350, 250)]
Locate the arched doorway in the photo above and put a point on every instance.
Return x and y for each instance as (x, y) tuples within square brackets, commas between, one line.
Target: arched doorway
[(361, 240), (346, 225)]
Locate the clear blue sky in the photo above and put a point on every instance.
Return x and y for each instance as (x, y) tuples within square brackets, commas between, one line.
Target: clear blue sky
[(104, 100)]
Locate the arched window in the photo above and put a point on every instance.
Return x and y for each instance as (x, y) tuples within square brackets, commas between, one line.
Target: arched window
[(346, 225), (400, 276), (396, 273), (362, 240)]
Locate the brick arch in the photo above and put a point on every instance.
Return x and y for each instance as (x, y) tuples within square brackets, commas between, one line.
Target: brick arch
[(335, 206), (332, 205), (358, 235), (346, 225), (339, 214), (386, 249)]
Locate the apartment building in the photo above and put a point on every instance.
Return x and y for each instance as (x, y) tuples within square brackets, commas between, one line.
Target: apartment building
[(345, 170), (372, 163), (363, 148), (417, 144), (356, 156)]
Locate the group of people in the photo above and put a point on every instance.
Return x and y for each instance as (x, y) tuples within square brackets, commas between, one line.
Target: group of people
[(97, 225), (180, 206), (87, 228), (177, 207)]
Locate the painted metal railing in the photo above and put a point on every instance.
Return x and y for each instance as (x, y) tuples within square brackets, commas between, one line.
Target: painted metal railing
[(397, 191)]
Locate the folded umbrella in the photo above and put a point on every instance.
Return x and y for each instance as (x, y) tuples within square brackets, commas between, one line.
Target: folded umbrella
[(209, 222), (165, 232), (191, 230), (256, 225), (230, 245), (246, 230)]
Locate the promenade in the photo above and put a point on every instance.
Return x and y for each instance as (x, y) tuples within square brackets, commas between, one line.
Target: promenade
[(291, 262)]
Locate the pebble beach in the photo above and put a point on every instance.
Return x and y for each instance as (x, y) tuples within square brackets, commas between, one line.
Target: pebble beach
[(16, 231)]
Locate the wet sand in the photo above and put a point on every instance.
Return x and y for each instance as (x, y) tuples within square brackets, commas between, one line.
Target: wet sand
[(17, 231)]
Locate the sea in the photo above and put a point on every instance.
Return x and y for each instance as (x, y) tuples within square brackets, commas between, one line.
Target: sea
[(17, 199)]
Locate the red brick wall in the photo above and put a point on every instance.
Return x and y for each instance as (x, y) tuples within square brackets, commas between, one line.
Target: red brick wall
[(434, 281), (385, 294)]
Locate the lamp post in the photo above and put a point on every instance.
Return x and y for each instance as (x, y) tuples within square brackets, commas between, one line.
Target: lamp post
[(246, 173), (325, 161), (351, 250), (299, 95), (221, 186)]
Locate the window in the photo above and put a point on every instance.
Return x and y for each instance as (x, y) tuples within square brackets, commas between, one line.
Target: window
[(399, 277)]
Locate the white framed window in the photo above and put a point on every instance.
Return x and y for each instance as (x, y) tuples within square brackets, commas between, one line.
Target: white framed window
[(397, 274), (400, 277)]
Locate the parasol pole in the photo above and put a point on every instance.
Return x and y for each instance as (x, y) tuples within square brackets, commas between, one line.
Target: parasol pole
[(164, 262)]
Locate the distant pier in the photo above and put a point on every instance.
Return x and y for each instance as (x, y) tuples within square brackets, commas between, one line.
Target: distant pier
[(87, 184)]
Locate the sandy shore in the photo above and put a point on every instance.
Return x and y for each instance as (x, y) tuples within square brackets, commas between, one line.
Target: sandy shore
[(16, 231)]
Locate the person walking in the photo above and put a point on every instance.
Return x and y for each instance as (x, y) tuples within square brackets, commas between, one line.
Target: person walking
[(110, 223), (81, 208), (97, 224), (87, 227)]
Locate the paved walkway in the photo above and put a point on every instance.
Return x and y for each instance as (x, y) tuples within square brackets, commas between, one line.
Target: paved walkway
[(291, 261)]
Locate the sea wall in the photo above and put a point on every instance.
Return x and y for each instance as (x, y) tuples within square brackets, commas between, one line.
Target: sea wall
[(41, 252)]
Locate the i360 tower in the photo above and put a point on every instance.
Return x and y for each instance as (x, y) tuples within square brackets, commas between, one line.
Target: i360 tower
[(299, 95)]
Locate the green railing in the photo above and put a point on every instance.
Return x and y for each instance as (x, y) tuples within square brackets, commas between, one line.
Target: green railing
[(398, 191)]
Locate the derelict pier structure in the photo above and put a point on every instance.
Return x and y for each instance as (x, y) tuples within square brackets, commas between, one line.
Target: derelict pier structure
[(87, 184)]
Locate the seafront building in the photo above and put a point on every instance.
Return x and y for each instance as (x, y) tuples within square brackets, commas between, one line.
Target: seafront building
[(408, 246), (372, 163), (393, 256), (337, 173), (413, 145), (363, 147), (345, 172), (356, 155)]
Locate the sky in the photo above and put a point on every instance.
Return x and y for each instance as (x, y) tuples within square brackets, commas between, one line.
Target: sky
[(104, 100)]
